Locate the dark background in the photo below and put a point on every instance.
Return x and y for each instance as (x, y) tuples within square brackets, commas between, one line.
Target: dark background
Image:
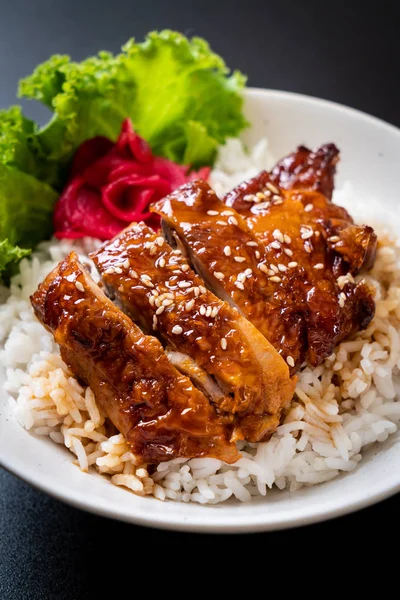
[(345, 52)]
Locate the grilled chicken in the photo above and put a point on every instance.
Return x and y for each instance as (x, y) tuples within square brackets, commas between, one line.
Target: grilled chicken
[(156, 286), (284, 265), (158, 410)]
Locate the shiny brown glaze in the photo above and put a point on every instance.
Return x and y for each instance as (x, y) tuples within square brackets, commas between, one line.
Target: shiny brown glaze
[(293, 284), (156, 286), (158, 410)]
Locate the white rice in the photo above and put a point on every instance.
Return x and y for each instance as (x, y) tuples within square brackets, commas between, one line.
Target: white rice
[(339, 408)]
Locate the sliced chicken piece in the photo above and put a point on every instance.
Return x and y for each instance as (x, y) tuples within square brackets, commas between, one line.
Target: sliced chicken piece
[(276, 266), (156, 286), (157, 409)]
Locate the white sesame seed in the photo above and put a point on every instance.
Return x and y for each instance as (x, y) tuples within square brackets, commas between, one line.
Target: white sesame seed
[(277, 235), (267, 192), (79, 286), (270, 272), (212, 213), (153, 250), (249, 198), (177, 329), (160, 310), (167, 302), (292, 264), (79, 301), (306, 233), (307, 248), (149, 284), (202, 289), (177, 252), (308, 207), (239, 285), (276, 198), (177, 271), (184, 284), (288, 252), (319, 266), (145, 277), (189, 305), (276, 245), (274, 268), (202, 310), (214, 311), (272, 188), (248, 272), (109, 271), (188, 333), (342, 299), (334, 238), (169, 295), (161, 263), (224, 344), (196, 291), (239, 259), (133, 274), (223, 223), (157, 302), (219, 275), (160, 241), (260, 195), (290, 361), (118, 270), (251, 244), (152, 300), (227, 251), (282, 268), (257, 255), (185, 268), (209, 311), (232, 221), (277, 202), (275, 279), (263, 268), (287, 238), (227, 213), (155, 321), (126, 263)]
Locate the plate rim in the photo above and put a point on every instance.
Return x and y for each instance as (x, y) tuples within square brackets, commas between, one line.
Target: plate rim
[(389, 485)]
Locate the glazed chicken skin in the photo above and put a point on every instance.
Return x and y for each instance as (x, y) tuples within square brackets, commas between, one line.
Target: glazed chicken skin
[(157, 287), (277, 262), (159, 411)]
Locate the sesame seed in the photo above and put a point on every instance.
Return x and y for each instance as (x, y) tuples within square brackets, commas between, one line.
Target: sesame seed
[(152, 300), (223, 223), (169, 295), (272, 188), (257, 255), (232, 221), (248, 272), (133, 274), (292, 264), (202, 289), (79, 301), (196, 291), (334, 238), (160, 241), (126, 263), (208, 311), (160, 310), (185, 268), (219, 275), (277, 235), (167, 302), (109, 271), (239, 285), (274, 268), (214, 311), (249, 198), (290, 361), (161, 263), (153, 250), (251, 244), (189, 305), (227, 251), (241, 277), (184, 284), (202, 310), (267, 192), (212, 213), (145, 277), (227, 213), (260, 195), (275, 245), (319, 266), (157, 302), (270, 272), (118, 270), (308, 207), (287, 238), (177, 252), (224, 344), (177, 329), (149, 284), (263, 268), (276, 198), (288, 251), (277, 202), (282, 268), (239, 259), (275, 279), (307, 247), (306, 233), (79, 286), (177, 271), (155, 321)]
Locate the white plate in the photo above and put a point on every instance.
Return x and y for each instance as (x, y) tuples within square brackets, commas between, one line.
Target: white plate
[(370, 151)]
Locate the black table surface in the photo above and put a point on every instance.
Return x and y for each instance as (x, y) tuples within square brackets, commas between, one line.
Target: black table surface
[(345, 52)]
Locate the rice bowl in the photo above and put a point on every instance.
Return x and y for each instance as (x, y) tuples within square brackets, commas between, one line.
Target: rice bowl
[(374, 421)]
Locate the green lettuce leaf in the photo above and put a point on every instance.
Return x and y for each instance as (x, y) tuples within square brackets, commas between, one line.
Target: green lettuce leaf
[(9, 256), (178, 93)]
